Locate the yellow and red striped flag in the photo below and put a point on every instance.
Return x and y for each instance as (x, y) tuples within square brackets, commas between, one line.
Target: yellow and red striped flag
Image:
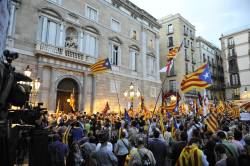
[(172, 53), (200, 79), (220, 108), (246, 106), (211, 122), (72, 100), (100, 66)]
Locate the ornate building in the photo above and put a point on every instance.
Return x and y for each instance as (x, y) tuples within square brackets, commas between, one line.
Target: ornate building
[(60, 39)]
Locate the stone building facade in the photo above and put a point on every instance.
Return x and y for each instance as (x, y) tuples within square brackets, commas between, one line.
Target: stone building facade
[(210, 54), (60, 39), (175, 30), (236, 57)]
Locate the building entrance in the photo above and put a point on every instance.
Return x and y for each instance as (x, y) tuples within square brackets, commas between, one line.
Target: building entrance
[(67, 96)]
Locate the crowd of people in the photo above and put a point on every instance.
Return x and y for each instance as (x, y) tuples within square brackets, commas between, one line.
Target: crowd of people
[(112, 139)]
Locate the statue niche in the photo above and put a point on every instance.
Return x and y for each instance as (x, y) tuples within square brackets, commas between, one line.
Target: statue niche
[(71, 40)]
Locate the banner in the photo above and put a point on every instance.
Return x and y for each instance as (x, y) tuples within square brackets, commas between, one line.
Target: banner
[(245, 116)]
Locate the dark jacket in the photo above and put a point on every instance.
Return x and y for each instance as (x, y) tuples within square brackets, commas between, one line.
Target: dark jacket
[(159, 150)]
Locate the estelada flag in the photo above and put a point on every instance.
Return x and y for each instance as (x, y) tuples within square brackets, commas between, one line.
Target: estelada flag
[(100, 66), (199, 79)]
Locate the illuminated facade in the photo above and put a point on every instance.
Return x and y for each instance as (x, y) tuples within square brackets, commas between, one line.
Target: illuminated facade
[(60, 39)]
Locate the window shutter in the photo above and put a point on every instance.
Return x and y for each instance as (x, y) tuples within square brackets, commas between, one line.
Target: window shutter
[(40, 27), (96, 48), (119, 56), (44, 28), (110, 55), (58, 33)]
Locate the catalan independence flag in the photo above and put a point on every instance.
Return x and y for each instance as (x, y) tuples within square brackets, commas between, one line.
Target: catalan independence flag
[(100, 66), (172, 53), (199, 79), (211, 122)]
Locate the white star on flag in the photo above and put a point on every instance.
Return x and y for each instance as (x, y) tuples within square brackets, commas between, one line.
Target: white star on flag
[(206, 75)]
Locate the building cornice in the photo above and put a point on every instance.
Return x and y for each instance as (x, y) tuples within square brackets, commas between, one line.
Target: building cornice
[(142, 14), (201, 39), (247, 29), (172, 17)]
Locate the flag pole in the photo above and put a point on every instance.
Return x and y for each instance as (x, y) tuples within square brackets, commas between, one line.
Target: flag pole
[(117, 96)]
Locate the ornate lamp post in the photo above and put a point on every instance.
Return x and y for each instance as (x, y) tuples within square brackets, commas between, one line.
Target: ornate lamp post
[(35, 84), (130, 94)]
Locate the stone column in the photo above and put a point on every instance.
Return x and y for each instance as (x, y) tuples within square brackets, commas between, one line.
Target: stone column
[(82, 93), (45, 86), (93, 93), (52, 91)]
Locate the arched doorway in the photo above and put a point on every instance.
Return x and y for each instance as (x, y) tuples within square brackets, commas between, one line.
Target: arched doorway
[(66, 89)]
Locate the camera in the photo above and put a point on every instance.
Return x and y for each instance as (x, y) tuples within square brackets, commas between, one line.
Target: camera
[(27, 119)]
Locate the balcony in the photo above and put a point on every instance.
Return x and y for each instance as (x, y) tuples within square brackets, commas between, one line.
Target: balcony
[(235, 97), (230, 45), (170, 32), (170, 44), (192, 37), (233, 69), (185, 33), (192, 48), (64, 53), (193, 61)]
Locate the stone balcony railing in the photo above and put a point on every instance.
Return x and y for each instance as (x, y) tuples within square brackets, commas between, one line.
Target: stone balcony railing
[(64, 52)]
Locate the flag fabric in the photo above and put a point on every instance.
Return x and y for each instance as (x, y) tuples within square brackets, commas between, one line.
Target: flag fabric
[(211, 122), (200, 99), (127, 117), (245, 106), (176, 107), (172, 53), (171, 106), (161, 123), (100, 66), (199, 79), (235, 112), (106, 108), (174, 127), (168, 67), (72, 100), (205, 103), (220, 108), (58, 107)]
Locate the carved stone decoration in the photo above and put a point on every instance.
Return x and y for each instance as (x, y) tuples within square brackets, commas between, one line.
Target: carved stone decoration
[(71, 40)]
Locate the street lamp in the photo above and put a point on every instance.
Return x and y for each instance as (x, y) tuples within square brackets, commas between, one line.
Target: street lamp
[(131, 93), (35, 84), (27, 71), (245, 90)]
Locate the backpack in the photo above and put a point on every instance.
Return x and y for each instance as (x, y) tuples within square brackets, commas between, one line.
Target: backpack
[(144, 159)]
